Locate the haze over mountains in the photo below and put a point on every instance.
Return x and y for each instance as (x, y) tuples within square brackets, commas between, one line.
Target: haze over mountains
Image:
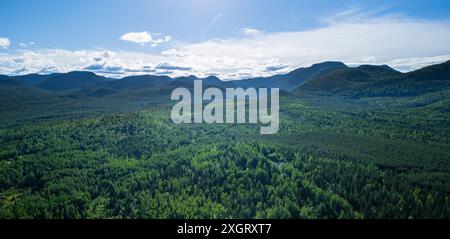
[(327, 77)]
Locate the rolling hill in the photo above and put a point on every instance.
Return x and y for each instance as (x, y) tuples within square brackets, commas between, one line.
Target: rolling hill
[(379, 81), (69, 81)]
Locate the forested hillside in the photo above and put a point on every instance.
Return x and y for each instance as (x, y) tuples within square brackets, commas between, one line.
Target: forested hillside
[(83, 154)]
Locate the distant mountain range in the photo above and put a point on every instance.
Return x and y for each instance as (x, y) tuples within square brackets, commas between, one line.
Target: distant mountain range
[(293, 79), (327, 77)]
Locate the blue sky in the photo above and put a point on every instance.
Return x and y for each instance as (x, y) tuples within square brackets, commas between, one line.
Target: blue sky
[(229, 38)]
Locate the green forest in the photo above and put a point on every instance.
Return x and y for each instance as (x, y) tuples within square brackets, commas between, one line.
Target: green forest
[(340, 163), (110, 150)]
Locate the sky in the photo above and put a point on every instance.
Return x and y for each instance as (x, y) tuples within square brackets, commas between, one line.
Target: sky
[(232, 39)]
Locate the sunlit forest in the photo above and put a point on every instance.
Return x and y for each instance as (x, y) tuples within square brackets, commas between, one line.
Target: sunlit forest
[(85, 155), (322, 164)]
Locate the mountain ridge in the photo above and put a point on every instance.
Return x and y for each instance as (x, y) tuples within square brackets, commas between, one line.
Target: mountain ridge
[(330, 76), (76, 80), (377, 81)]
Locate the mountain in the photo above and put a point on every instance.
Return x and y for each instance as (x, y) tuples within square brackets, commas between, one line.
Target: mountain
[(210, 81), (4, 77), (375, 81), (326, 77), (14, 92), (7, 82), (150, 83), (130, 83), (139, 81), (215, 81), (379, 71), (34, 79), (293, 79), (302, 75), (349, 79), (70, 81), (95, 85), (425, 80)]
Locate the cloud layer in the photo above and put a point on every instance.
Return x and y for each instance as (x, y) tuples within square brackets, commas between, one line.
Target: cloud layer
[(353, 38)]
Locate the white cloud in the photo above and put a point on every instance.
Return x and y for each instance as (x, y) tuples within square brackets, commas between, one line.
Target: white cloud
[(251, 31), (370, 60), (137, 37), (4, 42), (144, 37), (173, 52), (25, 45)]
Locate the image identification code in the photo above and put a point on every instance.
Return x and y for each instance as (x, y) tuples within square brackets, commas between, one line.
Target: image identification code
[(241, 228)]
